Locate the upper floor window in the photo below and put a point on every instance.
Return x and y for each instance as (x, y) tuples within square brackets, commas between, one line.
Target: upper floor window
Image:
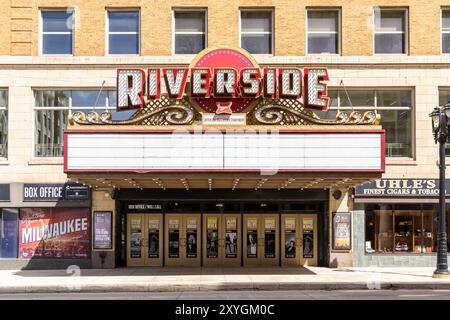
[(390, 31), (257, 31), (394, 106), (323, 31), (57, 32), (446, 31), (51, 111), (123, 32), (190, 31), (3, 123)]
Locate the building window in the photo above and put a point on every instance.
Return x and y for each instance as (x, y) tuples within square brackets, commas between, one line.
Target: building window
[(57, 32), (444, 98), (394, 106), (445, 31), (3, 123), (256, 31), (401, 228), (190, 32), (9, 233), (323, 31), (390, 31), (52, 108), (123, 32)]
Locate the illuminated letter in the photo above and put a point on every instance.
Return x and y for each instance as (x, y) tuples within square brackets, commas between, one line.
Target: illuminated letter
[(290, 83), (270, 83), (175, 81), (154, 84), (251, 82), (225, 82), (315, 90), (130, 87), (200, 82)]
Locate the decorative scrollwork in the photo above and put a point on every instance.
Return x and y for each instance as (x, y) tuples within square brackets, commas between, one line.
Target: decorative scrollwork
[(158, 113), (275, 114)]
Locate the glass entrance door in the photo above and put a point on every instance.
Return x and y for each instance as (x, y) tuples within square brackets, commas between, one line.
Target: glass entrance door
[(261, 239), (144, 244), (221, 240), (182, 245), (298, 239)]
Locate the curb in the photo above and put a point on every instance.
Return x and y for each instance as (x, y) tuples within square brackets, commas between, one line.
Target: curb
[(268, 286)]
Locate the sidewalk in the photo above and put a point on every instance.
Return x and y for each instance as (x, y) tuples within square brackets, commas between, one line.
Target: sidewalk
[(203, 279)]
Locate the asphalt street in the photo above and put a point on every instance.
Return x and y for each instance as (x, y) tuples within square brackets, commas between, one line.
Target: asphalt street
[(247, 295)]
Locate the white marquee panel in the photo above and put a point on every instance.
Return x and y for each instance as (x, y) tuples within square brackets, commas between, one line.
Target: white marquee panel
[(230, 151)]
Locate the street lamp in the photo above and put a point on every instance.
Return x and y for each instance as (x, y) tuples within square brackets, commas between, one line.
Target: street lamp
[(440, 119)]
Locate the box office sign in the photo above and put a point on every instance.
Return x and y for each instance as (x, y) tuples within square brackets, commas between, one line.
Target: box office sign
[(54, 233), (102, 225), (342, 231), (401, 188), (55, 192)]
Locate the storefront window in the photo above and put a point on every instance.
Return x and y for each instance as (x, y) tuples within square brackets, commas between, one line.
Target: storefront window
[(3, 123), (401, 228), (394, 106), (8, 233), (52, 108)]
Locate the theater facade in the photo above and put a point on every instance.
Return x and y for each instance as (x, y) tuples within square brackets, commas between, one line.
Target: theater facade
[(224, 163), (194, 133)]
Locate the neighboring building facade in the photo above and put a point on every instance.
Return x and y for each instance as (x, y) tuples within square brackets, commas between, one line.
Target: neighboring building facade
[(55, 57)]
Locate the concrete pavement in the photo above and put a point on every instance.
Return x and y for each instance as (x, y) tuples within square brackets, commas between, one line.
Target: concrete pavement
[(239, 295), (213, 279)]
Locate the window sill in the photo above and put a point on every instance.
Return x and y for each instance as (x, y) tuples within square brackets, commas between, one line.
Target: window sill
[(401, 161), (4, 162), (46, 161)]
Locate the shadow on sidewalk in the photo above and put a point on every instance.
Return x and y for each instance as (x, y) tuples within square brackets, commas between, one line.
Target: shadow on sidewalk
[(170, 271), (381, 271)]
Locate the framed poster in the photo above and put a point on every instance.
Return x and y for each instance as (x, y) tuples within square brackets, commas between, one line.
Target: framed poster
[(102, 225), (342, 231)]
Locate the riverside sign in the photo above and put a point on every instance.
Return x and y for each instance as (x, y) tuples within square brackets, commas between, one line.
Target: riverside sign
[(219, 76)]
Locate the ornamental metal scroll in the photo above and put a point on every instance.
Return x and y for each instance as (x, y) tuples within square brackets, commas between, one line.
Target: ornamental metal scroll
[(166, 111), (287, 112), (162, 112)]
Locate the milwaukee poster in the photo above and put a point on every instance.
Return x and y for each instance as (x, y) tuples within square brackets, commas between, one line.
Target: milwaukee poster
[(54, 233)]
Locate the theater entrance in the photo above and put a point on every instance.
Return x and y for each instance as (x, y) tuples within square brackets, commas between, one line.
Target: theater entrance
[(298, 239), (261, 232), (182, 244), (144, 240), (222, 240)]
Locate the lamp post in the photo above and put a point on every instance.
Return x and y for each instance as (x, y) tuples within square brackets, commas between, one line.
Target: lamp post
[(440, 119)]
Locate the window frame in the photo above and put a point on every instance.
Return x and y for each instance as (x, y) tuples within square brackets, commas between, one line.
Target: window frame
[(41, 31), (69, 108), (272, 32), (376, 108), (442, 30), (7, 124), (339, 32), (174, 32), (405, 32), (107, 33)]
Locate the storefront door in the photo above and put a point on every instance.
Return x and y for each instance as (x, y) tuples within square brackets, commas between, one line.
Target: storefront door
[(144, 244), (298, 239), (182, 245), (221, 240), (261, 239)]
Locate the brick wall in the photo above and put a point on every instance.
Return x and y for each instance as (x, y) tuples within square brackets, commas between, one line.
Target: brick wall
[(21, 23)]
